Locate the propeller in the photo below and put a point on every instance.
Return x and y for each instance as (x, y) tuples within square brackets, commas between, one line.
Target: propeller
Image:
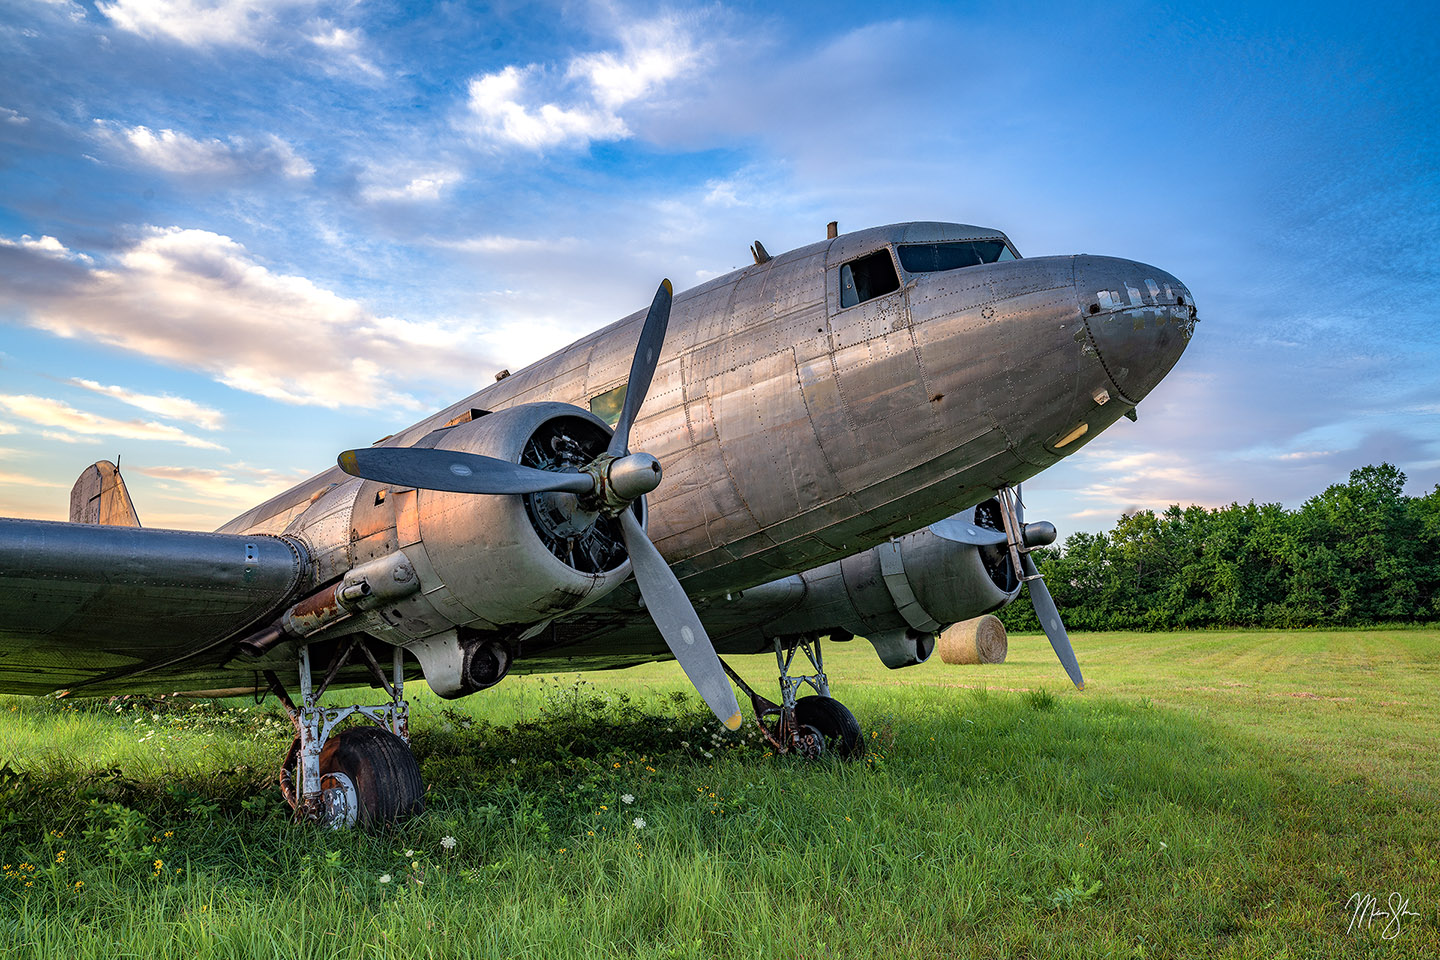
[(457, 472), (961, 530), (613, 480)]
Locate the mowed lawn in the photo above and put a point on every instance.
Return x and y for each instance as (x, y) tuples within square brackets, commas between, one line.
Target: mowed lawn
[(1213, 794)]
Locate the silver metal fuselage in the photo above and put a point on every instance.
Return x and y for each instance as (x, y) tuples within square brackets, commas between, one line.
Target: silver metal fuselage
[(793, 431)]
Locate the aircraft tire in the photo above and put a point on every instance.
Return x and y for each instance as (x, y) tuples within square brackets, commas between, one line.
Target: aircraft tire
[(835, 723), (382, 768)]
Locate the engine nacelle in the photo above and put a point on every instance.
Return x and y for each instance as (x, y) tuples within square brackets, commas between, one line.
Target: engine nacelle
[(901, 594), (519, 559), (489, 567)]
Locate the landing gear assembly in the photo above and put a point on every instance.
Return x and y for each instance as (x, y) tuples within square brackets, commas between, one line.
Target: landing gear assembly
[(810, 726), (362, 775)]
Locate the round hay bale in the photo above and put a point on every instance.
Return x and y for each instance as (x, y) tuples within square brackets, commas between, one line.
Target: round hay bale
[(981, 640)]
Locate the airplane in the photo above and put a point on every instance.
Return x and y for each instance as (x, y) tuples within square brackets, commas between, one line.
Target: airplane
[(828, 443)]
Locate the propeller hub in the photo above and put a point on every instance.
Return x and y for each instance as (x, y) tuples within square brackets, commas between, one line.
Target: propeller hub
[(634, 475)]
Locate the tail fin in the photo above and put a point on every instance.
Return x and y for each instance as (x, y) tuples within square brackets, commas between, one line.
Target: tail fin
[(99, 496)]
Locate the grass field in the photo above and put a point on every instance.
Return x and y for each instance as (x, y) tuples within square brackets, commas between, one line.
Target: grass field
[(1216, 794)]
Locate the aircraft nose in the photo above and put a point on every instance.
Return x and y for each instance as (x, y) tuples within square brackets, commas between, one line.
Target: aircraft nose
[(1140, 319)]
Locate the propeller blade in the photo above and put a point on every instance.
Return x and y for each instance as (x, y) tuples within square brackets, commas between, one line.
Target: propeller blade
[(679, 624), (430, 469), (642, 367), (1049, 615), (960, 530)]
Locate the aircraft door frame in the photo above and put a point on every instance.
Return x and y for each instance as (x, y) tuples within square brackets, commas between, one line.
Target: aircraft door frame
[(876, 364)]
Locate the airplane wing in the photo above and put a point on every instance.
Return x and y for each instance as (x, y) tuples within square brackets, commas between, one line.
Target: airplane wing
[(97, 607)]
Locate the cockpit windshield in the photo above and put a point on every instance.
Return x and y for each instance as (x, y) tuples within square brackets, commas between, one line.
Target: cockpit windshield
[(951, 255)]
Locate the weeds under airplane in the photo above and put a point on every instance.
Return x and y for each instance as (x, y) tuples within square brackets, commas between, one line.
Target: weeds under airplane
[(841, 429)]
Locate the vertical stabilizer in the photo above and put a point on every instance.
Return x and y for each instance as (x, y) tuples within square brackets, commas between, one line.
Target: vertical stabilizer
[(99, 496)]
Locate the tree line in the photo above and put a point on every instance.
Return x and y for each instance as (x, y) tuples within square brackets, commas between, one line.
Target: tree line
[(1360, 553)]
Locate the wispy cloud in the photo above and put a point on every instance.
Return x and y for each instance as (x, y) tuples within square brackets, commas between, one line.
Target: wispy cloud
[(164, 405), (198, 300), (45, 412), (236, 484), (497, 243), (408, 186), (201, 23), (25, 480), (533, 108), (346, 46), (180, 153)]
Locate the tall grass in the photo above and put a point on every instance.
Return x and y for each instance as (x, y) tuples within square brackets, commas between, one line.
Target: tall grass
[(1165, 812)]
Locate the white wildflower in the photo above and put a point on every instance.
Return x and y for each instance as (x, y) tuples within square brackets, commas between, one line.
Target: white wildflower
[(384, 878), (627, 799), (512, 760), (709, 755), (448, 843), (639, 823), (409, 853)]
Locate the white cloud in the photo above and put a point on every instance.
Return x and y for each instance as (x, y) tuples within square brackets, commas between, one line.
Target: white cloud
[(518, 106), (45, 412), (199, 300), (176, 152), (201, 22), (723, 193), (46, 246), (13, 116), (164, 405), (345, 45), (389, 186)]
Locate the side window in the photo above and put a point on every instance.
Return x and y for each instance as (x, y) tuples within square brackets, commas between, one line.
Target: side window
[(871, 276), (608, 405)]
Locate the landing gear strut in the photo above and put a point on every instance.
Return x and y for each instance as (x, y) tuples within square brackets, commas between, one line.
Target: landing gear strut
[(811, 725), (362, 775)]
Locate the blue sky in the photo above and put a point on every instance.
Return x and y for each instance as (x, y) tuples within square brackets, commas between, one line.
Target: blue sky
[(238, 236)]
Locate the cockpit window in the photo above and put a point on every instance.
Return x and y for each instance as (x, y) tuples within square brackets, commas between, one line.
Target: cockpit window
[(869, 277), (608, 405), (951, 255)]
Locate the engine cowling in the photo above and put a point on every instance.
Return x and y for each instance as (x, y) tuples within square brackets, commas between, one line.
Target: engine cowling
[(902, 593), (519, 559), (489, 567)]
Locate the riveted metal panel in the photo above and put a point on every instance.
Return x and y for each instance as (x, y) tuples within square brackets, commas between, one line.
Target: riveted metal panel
[(767, 440), (324, 528)]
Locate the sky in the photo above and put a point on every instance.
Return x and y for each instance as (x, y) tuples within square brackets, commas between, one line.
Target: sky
[(239, 236)]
